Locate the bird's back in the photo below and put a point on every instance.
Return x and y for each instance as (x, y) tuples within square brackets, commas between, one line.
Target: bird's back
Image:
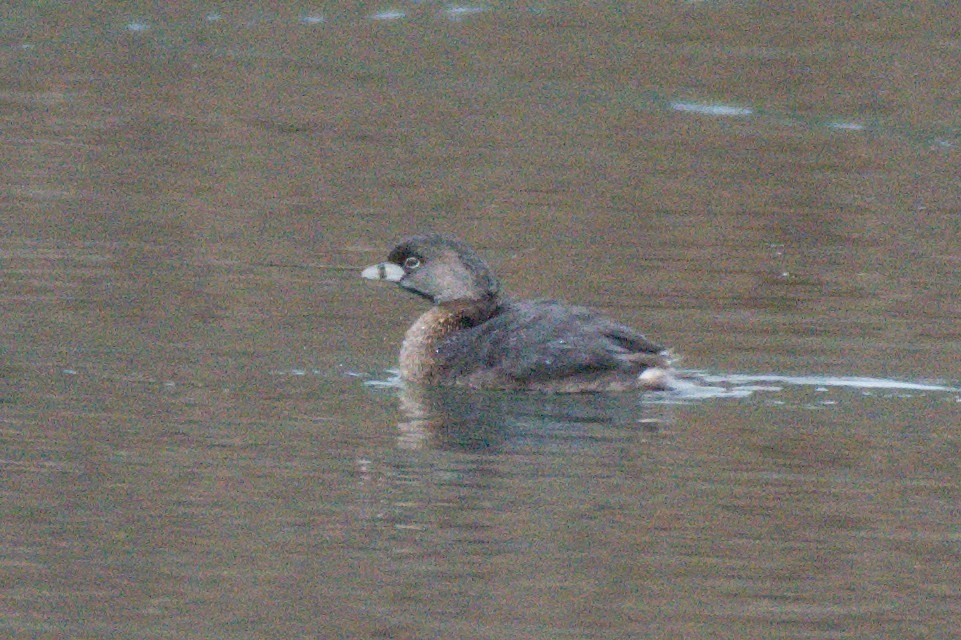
[(548, 345)]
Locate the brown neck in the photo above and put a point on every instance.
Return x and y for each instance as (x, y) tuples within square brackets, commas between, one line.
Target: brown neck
[(419, 361)]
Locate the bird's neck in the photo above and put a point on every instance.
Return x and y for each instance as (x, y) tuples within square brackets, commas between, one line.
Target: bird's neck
[(419, 357)]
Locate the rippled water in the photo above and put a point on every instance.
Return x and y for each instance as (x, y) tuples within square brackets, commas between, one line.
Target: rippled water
[(200, 433)]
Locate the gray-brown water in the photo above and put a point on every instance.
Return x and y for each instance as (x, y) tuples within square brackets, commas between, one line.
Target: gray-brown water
[(199, 432)]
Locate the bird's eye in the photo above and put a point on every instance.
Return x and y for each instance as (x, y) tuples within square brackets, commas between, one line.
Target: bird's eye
[(411, 263)]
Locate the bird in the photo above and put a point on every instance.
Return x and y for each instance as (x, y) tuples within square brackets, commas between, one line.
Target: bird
[(475, 336)]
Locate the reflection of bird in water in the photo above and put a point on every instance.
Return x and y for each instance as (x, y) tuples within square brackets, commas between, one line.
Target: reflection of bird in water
[(475, 337), (482, 420)]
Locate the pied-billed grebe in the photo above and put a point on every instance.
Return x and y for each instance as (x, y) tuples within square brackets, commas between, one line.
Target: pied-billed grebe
[(475, 337)]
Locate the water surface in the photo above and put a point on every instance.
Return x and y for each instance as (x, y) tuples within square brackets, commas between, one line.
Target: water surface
[(195, 437)]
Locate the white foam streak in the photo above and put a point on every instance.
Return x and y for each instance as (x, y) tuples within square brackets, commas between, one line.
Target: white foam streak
[(827, 381)]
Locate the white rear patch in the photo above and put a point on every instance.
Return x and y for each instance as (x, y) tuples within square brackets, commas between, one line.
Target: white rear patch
[(655, 378)]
